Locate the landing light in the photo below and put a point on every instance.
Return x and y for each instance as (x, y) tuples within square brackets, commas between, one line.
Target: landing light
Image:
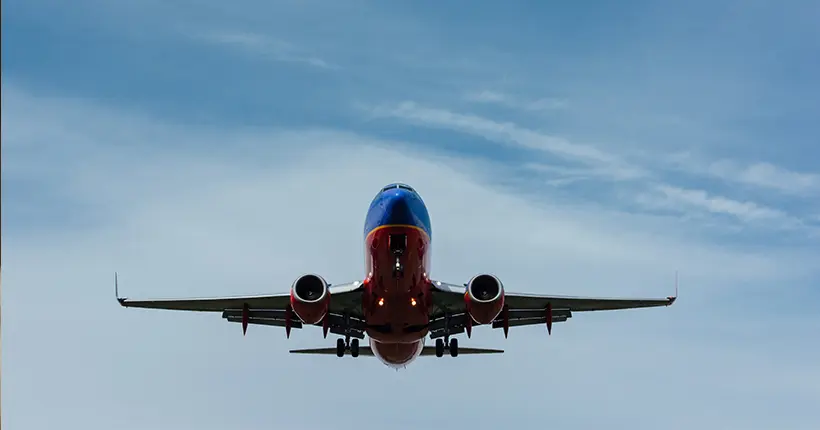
[(412, 302), (381, 302)]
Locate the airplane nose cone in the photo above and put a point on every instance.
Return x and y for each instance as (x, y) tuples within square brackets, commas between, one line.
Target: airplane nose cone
[(398, 209)]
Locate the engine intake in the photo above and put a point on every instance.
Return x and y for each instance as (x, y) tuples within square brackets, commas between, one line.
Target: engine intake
[(484, 298), (310, 298)]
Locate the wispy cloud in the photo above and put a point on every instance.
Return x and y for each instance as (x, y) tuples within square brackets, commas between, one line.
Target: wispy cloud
[(562, 175), (511, 134), (762, 175), (644, 178), (700, 199), (276, 49), (513, 102), (767, 175)]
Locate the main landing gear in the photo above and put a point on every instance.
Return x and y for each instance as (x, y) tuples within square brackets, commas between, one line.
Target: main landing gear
[(347, 344), (451, 345), (343, 345), (446, 343)]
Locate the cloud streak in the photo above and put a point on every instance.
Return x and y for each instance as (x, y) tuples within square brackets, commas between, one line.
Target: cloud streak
[(767, 175), (265, 47), (509, 101), (510, 134), (644, 178)]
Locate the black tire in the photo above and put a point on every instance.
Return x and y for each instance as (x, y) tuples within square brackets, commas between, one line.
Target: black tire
[(340, 347), (439, 348), (354, 348), (453, 347)]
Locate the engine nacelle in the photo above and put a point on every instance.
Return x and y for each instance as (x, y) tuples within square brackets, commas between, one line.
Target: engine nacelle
[(485, 298), (310, 298)]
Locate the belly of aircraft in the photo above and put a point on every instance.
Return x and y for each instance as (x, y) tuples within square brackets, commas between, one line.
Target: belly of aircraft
[(396, 309)]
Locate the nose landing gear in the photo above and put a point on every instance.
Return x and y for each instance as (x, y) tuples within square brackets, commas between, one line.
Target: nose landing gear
[(397, 244), (398, 269)]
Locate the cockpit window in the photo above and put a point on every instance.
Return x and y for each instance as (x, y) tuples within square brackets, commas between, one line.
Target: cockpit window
[(402, 186)]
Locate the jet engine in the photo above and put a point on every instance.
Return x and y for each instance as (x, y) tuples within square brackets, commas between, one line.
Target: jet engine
[(310, 298), (485, 298)]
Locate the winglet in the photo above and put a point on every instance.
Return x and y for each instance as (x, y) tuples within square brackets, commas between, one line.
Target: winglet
[(117, 290), (675, 297)]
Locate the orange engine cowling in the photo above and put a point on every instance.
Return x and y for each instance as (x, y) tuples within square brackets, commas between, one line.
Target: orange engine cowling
[(310, 298), (484, 298)]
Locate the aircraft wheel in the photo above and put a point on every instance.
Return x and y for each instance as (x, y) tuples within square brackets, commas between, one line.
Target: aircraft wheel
[(354, 348), (439, 348), (453, 347), (340, 348)]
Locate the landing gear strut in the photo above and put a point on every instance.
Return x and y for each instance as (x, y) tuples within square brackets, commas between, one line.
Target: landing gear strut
[(397, 244), (446, 343), (347, 344), (398, 269)]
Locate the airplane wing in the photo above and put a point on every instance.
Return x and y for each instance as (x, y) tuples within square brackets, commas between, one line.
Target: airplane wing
[(366, 351), (270, 310), (525, 309)]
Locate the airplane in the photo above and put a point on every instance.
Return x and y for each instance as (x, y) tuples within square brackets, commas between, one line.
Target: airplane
[(397, 304)]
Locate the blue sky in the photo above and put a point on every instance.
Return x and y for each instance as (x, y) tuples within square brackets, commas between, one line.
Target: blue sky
[(210, 148)]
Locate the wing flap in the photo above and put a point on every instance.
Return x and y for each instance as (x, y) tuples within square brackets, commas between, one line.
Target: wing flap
[(276, 318), (278, 314), (516, 314), (457, 325), (517, 317), (528, 321), (266, 321)]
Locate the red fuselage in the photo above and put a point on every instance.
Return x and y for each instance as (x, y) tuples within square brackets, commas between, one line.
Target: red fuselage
[(396, 300)]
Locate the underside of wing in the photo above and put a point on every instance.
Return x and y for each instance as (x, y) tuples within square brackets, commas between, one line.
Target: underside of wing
[(215, 304), (439, 327), (450, 309), (344, 308), (583, 304), (278, 318)]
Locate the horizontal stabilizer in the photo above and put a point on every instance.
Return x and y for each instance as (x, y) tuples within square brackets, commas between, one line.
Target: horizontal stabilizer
[(366, 351), (431, 350)]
